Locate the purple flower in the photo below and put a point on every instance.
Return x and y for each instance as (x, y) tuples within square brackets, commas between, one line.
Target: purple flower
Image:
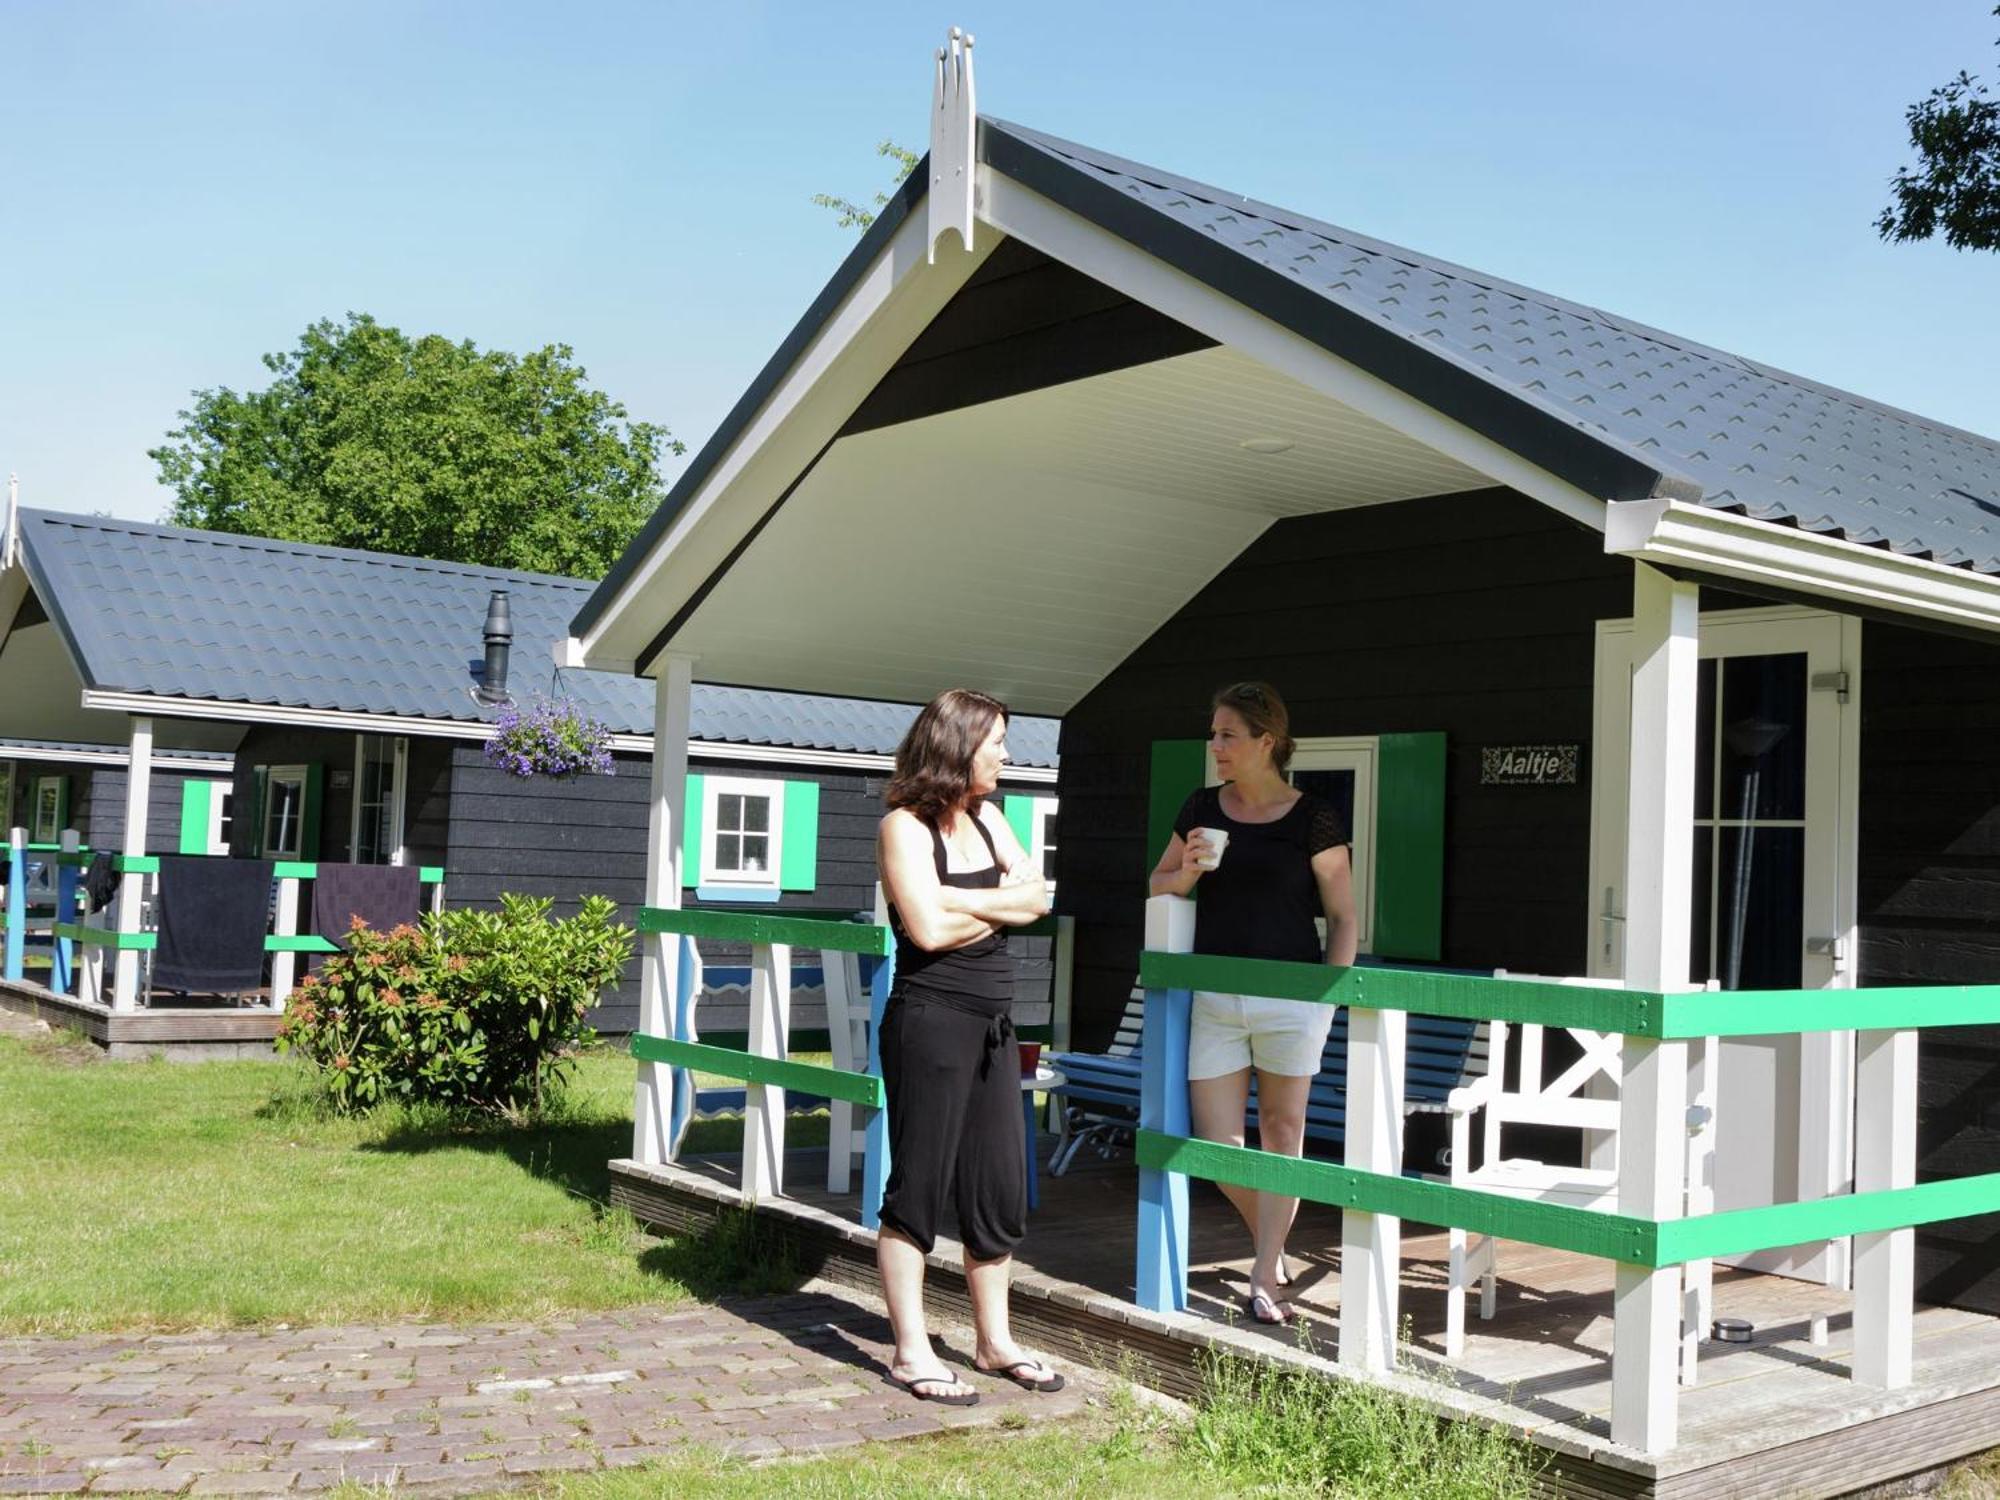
[(549, 739)]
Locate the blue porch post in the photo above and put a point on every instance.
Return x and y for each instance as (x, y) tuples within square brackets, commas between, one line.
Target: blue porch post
[(687, 983), (17, 901), (875, 1139), (67, 876), (1162, 1278)]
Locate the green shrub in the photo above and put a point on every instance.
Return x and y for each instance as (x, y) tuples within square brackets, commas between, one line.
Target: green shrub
[(470, 1009)]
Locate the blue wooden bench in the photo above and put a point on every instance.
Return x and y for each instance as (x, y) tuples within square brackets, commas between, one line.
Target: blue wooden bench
[(1101, 1095)]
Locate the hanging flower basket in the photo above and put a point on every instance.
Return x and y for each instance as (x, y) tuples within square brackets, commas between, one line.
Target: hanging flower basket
[(549, 739)]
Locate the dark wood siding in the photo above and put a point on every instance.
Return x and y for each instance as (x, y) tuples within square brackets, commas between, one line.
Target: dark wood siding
[(1470, 614), (331, 750), (1930, 907), (565, 840)]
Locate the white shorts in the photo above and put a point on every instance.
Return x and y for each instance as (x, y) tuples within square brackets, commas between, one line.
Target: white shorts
[(1228, 1033)]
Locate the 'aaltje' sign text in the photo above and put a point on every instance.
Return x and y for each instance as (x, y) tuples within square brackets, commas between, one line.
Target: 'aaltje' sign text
[(1528, 765)]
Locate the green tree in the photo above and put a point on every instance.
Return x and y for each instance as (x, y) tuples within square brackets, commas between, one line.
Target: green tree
[(1955, 190), (852, 214), (368, 438)]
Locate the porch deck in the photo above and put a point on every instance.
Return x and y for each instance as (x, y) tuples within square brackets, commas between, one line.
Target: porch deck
[(1776, 1417), (223, 1029)]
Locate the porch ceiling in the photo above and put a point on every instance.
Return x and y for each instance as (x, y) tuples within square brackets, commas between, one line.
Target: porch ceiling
[(1027, 545), (41, 698)]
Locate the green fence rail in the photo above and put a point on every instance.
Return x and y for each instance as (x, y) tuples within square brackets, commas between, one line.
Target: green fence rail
[(753, 928), (809, 1078)]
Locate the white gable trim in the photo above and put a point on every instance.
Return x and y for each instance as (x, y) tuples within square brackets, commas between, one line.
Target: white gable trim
[(1673, 533), (892, 303), (1026, 215)]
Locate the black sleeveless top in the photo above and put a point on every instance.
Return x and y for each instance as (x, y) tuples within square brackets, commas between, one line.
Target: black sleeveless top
[(978, 978)]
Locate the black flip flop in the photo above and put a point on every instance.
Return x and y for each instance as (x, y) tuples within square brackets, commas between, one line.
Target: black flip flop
[(961, 1394), (1270, 1310), (1046, 1385)]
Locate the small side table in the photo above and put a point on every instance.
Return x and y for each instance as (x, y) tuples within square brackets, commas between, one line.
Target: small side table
[(1041, 1081)]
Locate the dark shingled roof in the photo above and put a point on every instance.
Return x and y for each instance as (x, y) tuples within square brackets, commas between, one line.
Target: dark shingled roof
[(202, 614), (1727, 431)]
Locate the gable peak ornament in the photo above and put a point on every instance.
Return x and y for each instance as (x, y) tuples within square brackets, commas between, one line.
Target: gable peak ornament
[(954, 117)]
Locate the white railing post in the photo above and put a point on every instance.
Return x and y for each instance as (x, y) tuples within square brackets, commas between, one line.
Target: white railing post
[(1652, 1095), (62, 949), (842, 979), (1371, 1245), (285, 965), (1885, 1157), (1060, 981), (764, 1103), (131, 885), (659, 953)]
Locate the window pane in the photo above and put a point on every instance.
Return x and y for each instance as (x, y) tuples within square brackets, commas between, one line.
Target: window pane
[(756, 853), (756, 814), (728, 852), (1701, 915), (1704, 740), (1763, 772), (729, 812), (1336, 787), (1048, 864), (1759, 908)]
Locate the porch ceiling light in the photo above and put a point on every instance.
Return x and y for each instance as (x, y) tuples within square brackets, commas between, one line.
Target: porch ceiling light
[(1266, 445)]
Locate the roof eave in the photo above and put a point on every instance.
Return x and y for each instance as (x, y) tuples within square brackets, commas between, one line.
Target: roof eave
[(1847, 575)]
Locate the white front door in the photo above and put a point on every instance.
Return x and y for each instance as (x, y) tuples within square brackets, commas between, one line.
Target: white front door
[(1773, 904)]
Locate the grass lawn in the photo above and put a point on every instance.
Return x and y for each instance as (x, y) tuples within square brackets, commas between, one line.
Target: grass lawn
[(172, 1195)]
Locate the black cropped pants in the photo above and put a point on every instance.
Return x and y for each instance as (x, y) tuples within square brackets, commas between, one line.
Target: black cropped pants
[(954, 1095)]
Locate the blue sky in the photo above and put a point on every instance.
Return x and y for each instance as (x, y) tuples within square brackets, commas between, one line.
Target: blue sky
[(187, 186)]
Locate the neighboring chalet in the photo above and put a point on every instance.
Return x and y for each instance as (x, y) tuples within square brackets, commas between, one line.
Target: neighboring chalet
[(1636, 662), (49, 785), (342, 682)]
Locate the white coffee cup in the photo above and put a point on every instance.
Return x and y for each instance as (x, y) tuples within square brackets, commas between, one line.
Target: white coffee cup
[(1218, 841)]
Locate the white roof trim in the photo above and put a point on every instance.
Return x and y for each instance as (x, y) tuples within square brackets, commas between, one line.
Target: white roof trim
[(893, 302), (162, 761), (361, 723), (1675, 533)]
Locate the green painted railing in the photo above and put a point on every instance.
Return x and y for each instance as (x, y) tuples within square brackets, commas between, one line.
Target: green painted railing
[(758, 927), (1637, 1013), (809, 1078)]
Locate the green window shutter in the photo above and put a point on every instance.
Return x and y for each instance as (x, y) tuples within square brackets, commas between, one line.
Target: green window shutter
[(194, 816), (1409, 847), (798, 856), (260, 789), (309, 812), (1179, 769), (691, 836), (1021, 818)]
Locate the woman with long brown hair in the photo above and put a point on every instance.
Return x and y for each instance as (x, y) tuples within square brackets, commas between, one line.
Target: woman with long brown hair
[(957, 878), (1270, 860)]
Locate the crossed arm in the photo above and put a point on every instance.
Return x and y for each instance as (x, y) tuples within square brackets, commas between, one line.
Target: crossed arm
[(938, 916)]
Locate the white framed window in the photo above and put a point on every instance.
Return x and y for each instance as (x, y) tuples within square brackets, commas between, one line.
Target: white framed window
[(381, 767), (221, 815), (1042, 844), (742, 823), (284, 812)]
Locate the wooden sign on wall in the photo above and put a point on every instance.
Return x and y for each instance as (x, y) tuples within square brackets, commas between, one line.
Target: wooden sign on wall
[(1528, 765)]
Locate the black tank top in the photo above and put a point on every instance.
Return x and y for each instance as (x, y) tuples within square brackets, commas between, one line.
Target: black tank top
[(979, 977)]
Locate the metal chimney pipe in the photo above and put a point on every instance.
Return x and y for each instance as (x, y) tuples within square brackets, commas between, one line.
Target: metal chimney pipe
[(499, 642)]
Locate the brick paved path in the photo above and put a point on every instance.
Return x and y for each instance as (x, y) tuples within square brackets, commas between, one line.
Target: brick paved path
[(459, 1408)]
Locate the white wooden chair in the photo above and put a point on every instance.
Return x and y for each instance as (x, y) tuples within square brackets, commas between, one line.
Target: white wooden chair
[(1566, 1100)]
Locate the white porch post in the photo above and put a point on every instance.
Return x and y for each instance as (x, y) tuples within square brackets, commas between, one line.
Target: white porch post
[(132, 887), (1885, 1157), (1652, 1116), (1371, 1245), (763, 1103), (659, 966)]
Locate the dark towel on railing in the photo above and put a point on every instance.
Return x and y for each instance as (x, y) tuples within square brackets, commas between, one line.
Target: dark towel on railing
[(100, 881), (383, 896), (213, 913)]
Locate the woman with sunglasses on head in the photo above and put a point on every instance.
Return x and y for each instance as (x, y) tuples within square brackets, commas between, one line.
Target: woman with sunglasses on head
[(1265, 860), (956, 878)]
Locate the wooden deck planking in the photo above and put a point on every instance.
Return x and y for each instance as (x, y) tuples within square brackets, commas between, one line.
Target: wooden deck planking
[(1776, 1417)]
